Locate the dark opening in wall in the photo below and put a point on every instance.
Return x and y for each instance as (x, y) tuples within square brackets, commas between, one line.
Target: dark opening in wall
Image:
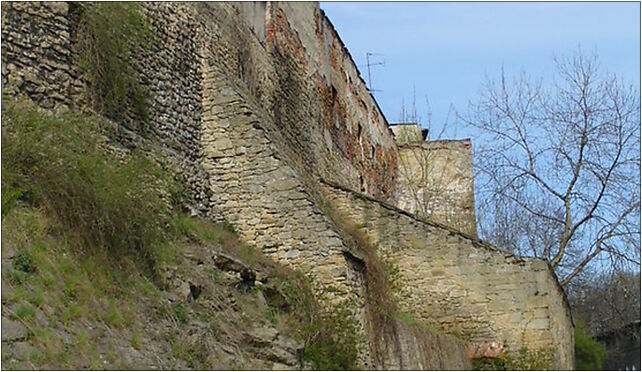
[(363, 184), (359, 131), (373, 152)]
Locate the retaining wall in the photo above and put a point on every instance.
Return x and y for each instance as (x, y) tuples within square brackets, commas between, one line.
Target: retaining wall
[(463, 285)]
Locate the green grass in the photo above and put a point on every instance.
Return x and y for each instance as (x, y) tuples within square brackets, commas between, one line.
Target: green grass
[(25, 311), (180, 313), (411, 321), (108, 33), (524, 359), (59, 166), (92, 230)]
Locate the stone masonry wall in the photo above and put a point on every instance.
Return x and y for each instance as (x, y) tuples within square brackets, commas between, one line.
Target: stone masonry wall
[(436, 181), (208, 116), (314, 94), (36, 55), (38, 63), (465, 286), (251, 103)]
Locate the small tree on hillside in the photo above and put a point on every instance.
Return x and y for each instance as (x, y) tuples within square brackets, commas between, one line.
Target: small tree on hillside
[(560, 167)]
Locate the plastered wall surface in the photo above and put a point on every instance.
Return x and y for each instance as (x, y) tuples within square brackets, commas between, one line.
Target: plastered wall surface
[(436, 181), (467, 287), (251, 104)]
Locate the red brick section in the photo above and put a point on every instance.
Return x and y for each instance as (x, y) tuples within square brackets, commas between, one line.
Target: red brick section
[(485, 349)]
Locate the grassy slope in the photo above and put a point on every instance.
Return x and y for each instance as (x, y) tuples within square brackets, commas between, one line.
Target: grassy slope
[(99, 270)]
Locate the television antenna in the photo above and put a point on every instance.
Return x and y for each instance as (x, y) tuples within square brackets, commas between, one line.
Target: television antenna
[(368, 65)]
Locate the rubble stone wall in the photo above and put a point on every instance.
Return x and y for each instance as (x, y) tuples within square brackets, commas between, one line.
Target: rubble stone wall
[(291, 62), (36, 52)]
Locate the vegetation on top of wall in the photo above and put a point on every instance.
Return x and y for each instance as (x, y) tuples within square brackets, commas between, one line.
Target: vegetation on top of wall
[(107, 34), (589, 353)]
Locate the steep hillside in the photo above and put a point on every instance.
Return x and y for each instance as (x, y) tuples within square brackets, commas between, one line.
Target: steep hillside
[(101, 270), (212, 127)]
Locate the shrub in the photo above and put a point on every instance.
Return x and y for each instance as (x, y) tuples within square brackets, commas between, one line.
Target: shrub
[(589, 353), (329, 333), (60, 165), (24, 262)]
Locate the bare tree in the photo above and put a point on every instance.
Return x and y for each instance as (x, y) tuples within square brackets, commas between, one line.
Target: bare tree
[(605, 301), (563, 164)]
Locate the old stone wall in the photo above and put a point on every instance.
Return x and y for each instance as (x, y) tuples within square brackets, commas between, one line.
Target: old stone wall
[(315, 96), (251, 103), (267, 201), (36, 53), (415, 348), (38, 63), (436, 181), (465, 286), (216, 88), (405, 133)]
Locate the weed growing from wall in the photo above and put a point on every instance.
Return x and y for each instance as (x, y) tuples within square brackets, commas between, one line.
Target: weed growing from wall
[(107, 34), (380, 305)]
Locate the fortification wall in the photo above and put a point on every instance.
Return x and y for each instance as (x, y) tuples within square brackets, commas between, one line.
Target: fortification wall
[(294, 65), (251, 103), (39, 63), (465, 286), (240, 119), (436, 181), (36, 52)]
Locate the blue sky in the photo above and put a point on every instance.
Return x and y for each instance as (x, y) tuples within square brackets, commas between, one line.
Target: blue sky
[(446, 49)]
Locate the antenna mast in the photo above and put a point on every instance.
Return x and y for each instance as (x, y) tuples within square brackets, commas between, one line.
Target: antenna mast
[(368, 64)]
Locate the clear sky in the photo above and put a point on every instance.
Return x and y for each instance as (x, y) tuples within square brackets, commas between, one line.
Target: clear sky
[(444, 49)]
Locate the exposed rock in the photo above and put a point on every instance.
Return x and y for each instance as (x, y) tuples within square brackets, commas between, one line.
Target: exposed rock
[(274, 346), (20, 350), (12, 330), (195, 290), (228, 263), (262, 335)]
